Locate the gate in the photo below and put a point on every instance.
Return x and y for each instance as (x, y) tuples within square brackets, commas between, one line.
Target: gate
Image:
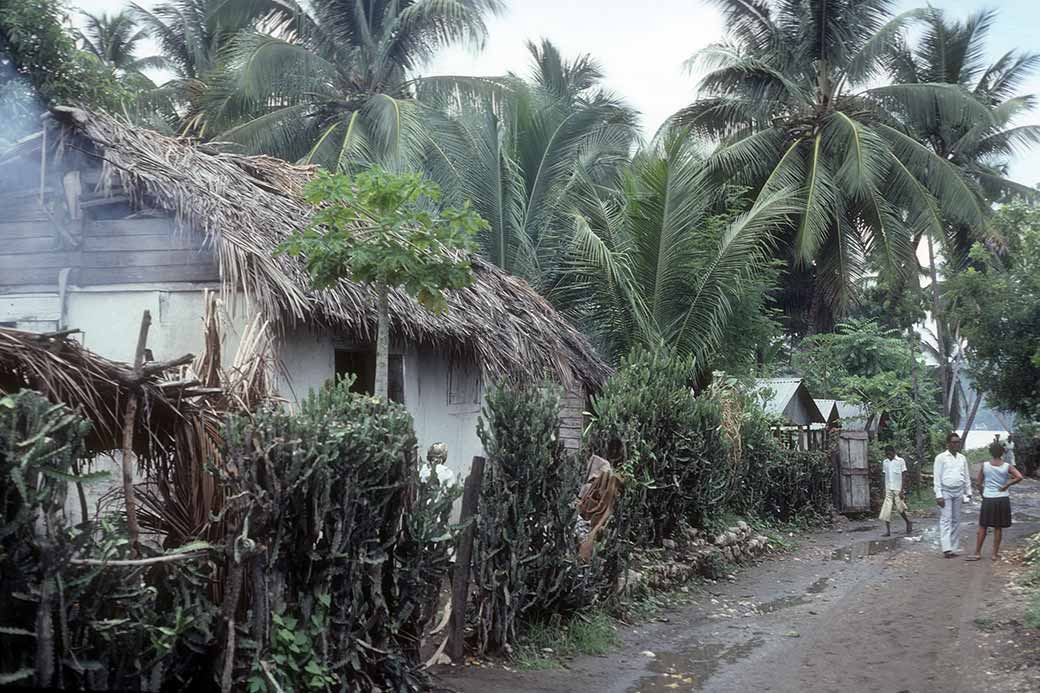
[(853, 492)]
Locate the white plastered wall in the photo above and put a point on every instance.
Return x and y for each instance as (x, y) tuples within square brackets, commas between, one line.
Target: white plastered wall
[(110, 318), (309, 360)]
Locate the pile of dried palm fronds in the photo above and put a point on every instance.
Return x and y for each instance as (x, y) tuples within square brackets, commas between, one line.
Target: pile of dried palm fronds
[(98, 388)]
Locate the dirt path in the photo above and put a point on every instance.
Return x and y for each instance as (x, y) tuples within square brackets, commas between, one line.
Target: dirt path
[(845, 612)]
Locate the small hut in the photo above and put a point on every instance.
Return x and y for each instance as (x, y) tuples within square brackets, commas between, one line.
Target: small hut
[(101, 221), (789, 402)]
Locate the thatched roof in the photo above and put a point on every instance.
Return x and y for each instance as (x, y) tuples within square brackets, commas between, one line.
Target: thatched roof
[(246, 205)]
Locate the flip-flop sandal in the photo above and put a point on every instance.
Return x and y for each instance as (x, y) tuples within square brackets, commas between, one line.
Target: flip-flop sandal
[(973, 558)]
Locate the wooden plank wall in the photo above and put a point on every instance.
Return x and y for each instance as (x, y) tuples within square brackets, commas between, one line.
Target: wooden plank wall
[(33, 250)]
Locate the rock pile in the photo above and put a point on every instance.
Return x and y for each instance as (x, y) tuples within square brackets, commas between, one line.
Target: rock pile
[(695, 552)]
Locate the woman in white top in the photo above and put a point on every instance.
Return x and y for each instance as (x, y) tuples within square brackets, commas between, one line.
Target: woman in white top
[(994, 479)]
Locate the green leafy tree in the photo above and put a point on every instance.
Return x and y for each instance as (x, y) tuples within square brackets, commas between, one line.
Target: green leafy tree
[(376, 228), (662, 262), (518, 156), (333, 82), (793, 95), (864, 363), (997, 300)]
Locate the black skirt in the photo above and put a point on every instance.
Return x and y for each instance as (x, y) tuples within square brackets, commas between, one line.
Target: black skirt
[(995, 512)]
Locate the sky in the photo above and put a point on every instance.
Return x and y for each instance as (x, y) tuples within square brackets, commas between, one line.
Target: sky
[(643, 44)]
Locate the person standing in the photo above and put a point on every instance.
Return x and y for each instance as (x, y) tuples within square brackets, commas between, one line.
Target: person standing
[(1009, 450), (894, 468), (952, 485), (994, 478)]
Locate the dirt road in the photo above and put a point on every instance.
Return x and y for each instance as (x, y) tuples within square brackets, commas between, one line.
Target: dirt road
[(847, 611)]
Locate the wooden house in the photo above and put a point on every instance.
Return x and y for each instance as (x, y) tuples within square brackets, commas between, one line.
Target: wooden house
[(100, 221)]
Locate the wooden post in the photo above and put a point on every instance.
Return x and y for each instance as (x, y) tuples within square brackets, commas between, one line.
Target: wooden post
[(128, 436), (463, 556)]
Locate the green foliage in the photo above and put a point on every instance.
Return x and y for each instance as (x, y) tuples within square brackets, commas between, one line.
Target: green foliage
[(295, 658), (663, 260), (794, 94), (64, 622), (667, 441), (866, 364), (1027, 446), (998, 302), (318, 517), (776, 484), (373, 228), (333, 82), (543, 644), (526, 563), (522, 153)]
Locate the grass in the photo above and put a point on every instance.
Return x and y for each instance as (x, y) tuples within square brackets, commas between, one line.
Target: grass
[(544, 644), (921, 500), (1032, 618)]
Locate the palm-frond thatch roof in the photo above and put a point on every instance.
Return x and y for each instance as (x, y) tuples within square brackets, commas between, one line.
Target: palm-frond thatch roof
[(246, 205)]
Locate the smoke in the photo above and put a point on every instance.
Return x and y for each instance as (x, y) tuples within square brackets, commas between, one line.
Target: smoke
[(20, 106)]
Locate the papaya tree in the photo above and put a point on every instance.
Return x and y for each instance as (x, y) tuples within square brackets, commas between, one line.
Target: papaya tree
[(379, 229)]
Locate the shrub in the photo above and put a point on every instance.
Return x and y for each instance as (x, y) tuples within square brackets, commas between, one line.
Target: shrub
[(525, 551), (1027, 447), (66, 623), (667, 441), (776, 483), (335, 544)]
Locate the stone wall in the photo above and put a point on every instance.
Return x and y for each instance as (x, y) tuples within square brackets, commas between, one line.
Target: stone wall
[(695, 554)]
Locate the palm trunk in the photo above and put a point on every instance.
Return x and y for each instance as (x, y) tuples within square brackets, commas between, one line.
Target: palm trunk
[(941, 343), (918, 425), (382, 384)]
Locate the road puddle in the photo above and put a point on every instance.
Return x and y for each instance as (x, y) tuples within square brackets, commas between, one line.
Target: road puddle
[(795, 600), (690, 669), (818, 586), (865, 548), (781, 603)]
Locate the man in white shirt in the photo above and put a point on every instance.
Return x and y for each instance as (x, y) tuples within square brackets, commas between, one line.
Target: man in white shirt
[(895, 472), (951, 483)]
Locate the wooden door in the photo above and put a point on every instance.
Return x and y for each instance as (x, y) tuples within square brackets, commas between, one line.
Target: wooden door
[(853, 477)]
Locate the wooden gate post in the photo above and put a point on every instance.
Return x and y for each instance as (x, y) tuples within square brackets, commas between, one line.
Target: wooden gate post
[(463, 556)]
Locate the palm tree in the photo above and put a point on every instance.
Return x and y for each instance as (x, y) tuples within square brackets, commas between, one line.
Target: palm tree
[(953, 52), (333, 81), (791, 96), (191, 35), (656, 262), (113, 39), (517, 155)]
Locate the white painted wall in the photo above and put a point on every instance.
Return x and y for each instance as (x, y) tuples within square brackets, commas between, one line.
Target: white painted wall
[(309, 359), (110, 318)]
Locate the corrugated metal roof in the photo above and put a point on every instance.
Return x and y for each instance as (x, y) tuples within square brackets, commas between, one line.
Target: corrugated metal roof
[(783, 390), (825, 406), (854, 417)]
